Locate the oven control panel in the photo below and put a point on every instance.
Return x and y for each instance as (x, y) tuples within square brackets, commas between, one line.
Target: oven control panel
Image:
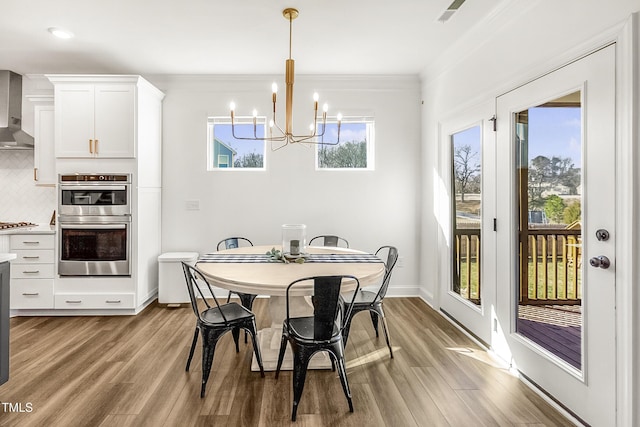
[(94, 177)]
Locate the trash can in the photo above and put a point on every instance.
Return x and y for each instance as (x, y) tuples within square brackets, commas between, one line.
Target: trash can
[(172, 287)]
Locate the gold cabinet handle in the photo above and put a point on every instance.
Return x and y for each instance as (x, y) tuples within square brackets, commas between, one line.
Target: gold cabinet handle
[(96, 147), (91, 146), (35, 174)]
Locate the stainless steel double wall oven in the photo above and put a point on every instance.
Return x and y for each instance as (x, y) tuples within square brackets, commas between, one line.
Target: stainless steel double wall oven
[(94, 225)]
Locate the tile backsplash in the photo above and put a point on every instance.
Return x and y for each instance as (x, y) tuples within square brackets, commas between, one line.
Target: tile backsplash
[(20, 198)]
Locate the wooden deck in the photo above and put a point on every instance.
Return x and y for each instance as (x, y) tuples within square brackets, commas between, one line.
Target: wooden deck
[(557, 328), (129, 371)]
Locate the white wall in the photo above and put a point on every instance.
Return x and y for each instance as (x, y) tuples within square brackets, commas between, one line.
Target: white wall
[(369, 208)]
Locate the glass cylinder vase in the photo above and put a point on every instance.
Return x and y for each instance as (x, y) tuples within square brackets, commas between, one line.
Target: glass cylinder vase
[(294, 239)]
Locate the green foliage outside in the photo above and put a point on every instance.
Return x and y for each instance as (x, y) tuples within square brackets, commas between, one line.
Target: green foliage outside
[(249, 160), (572, 212), (556, 174), (555, 282), (351, 154), (546, 173), (554, 207), (461, 288)]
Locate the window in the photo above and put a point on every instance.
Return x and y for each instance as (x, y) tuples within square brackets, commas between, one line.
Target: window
[(466, 173), (355, 150), (227, 152)]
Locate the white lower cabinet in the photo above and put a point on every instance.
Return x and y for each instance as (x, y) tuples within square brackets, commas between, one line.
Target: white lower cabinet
[(32, 272), (31, 293), (94, 301)]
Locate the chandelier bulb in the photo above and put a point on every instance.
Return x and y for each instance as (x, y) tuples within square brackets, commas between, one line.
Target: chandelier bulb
[(339, 117), (232, 106), (311, 127), (316, 96), (325, 107), (255, 113), (271, 123), (274, 88)]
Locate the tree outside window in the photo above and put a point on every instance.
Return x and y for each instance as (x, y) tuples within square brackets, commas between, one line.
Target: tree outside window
[(355, 149)]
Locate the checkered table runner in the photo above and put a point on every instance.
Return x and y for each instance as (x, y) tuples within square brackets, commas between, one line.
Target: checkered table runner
[(258, 258)]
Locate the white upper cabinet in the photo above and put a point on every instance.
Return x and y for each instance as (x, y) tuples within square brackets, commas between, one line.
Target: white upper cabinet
[(95, 120), (97, 116), (115, 120)]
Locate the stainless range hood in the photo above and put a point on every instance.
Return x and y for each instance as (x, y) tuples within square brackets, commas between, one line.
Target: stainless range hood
[(12, 137)]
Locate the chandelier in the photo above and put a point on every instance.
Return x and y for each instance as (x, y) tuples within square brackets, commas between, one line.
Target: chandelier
[(285, 134)]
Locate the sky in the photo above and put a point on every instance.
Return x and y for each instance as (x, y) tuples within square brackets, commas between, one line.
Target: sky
[(556, 132), (242, 147), (552, 132)]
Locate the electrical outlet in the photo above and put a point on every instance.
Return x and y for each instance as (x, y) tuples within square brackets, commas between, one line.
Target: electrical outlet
[(192, 205)]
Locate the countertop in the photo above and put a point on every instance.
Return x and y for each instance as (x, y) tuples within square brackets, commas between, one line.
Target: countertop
[(7, 257), (37, 229)]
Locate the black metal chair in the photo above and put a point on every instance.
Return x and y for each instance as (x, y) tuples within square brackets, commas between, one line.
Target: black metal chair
[(372, 301), (320, 332), (330, 240), (231, 243), (214, 322)]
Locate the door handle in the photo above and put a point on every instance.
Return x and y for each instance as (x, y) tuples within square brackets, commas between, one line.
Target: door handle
[(600, 261), (91, 146)]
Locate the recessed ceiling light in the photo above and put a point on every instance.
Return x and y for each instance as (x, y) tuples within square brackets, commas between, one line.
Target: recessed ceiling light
[(61, 33)]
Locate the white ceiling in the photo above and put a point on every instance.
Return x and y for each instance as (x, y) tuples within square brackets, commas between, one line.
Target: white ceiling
[(230, 37)]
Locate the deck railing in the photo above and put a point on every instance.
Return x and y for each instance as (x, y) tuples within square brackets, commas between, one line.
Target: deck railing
[(467, 264), (553, 266)]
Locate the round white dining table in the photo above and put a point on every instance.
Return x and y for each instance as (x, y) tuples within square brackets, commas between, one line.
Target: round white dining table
[(272, 278)]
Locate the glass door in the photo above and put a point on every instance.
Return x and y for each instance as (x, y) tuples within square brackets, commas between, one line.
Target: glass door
[(556, 180)]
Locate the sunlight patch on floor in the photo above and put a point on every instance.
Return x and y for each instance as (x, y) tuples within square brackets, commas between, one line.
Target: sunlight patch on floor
[(479, 355), (374, 356)]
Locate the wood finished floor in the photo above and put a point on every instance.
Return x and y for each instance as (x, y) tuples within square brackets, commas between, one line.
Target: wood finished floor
[(129, 371)]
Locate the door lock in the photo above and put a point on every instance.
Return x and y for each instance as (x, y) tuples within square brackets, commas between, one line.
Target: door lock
[(602, 235), (600, 261)]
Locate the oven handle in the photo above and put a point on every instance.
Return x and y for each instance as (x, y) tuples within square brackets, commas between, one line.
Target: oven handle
[(93, 187), (94, 226)]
